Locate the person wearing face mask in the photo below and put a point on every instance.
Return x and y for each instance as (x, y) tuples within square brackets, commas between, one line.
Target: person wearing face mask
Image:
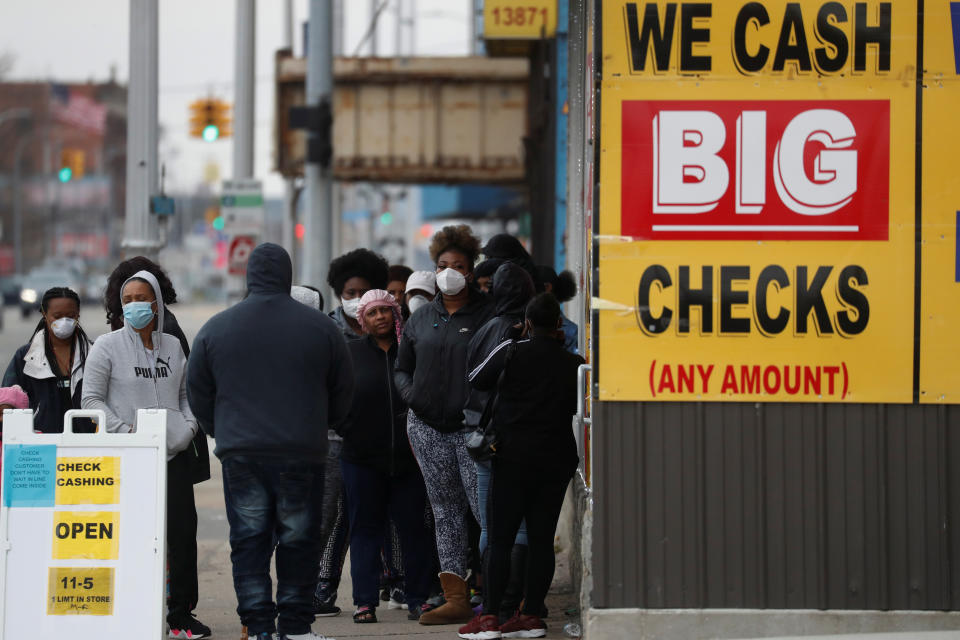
[(420, 290), (431, 377), (50, 368), (350, 276), (140, 367), (197, 455)]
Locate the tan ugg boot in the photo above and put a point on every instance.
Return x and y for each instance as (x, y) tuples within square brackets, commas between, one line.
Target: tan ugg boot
[(457, 608)]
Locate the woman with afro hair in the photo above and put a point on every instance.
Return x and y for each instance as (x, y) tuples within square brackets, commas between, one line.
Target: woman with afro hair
[(430, 375), (350, 276)]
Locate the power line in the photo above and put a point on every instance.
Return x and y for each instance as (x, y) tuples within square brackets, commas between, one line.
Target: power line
[(372, 28)]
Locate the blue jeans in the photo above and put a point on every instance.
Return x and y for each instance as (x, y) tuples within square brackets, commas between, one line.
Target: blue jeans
[(375, 497), (483, 491), (267, 496)]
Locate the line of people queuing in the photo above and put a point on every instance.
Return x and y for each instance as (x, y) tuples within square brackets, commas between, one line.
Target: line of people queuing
[(344, 432)]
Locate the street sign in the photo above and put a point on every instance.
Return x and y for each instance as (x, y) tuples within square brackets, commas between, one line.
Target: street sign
[(241, 205), (239, 254), (82, 545)]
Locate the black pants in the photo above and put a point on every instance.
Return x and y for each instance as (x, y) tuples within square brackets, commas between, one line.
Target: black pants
[(518, 493), (373, 498), (181, 538)]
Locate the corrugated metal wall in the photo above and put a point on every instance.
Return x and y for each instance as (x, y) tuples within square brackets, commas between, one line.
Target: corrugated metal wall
[(782, 506)]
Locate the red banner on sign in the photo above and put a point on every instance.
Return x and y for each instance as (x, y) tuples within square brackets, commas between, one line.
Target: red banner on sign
[(750, 170)]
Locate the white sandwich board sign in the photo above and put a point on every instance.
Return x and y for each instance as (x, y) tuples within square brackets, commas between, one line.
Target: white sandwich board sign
[(82, 530)]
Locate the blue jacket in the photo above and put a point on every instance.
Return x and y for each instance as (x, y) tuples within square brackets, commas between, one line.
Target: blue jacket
[(268, 376)]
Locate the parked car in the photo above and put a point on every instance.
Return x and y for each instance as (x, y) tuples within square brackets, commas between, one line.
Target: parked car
[(10, 288), (38, 281)]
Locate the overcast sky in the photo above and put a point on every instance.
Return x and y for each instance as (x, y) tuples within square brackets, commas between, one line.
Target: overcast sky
[(69, 41)]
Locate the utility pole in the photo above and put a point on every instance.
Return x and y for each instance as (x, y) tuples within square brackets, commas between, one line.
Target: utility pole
[(398, 37), (243, 104), (289, 188), (141, 231), (318, 220)]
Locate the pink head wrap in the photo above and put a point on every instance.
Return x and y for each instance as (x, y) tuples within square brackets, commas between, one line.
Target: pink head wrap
[(379, 298), (14, 396)]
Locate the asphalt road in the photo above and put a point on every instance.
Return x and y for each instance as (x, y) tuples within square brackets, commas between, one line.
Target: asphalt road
[(217, 607)]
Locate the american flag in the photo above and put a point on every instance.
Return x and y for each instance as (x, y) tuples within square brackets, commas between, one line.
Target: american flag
[(74, 108)]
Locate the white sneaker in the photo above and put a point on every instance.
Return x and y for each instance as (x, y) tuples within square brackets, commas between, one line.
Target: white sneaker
[(310, 635)]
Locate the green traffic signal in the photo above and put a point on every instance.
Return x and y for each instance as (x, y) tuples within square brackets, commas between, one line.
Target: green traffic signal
[(386, 218), (218, 223), (211, 132), (65, 174)]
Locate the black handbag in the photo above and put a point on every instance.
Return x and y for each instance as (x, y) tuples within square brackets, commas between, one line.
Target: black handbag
[(483, 441)]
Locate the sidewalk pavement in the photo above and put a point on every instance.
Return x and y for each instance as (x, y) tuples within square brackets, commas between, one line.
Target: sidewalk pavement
[(217, 607)]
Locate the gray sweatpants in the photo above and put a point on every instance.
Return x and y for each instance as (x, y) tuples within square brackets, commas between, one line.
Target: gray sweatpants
[(451, 478)]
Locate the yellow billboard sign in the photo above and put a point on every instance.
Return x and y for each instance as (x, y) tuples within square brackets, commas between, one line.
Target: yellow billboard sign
[(88, 480), (939, 373), (519, 19), (757, 201)]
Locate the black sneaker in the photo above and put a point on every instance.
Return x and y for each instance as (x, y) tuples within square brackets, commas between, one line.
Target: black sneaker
[(415, 612), (325, 608), (398, 599), (187, 627)]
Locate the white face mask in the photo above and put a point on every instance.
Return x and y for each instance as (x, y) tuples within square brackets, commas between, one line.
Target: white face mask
[(451, 282), (63, 328), (350, 307), (416, 302)]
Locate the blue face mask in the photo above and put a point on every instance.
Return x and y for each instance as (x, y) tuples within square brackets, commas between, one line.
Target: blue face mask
[(138, 314)]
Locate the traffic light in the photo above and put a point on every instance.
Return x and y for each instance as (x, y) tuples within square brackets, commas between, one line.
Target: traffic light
[(71, 164), (209, 119)]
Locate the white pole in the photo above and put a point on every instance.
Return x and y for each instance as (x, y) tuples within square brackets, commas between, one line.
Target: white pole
[(141, 233), (243, 105), (318, 219)]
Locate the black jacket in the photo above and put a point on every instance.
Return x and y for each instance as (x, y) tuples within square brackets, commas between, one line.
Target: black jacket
[(29, 369), (512, 290), (535, 404), (197, 452), (375, 432), (431, 371), (269, 375)]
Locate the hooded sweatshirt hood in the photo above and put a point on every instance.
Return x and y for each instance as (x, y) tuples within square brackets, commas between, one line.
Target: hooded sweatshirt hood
[(512, 289), (158, 294), (269, 270)]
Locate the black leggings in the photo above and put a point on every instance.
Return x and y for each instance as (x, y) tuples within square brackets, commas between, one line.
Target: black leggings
[(181, 537), (518, 493)]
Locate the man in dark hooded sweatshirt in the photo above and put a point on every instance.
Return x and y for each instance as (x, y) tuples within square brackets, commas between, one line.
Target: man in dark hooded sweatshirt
[(266, 378)]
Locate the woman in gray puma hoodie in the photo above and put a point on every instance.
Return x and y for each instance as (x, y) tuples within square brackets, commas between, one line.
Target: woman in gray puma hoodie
[(123, 375)]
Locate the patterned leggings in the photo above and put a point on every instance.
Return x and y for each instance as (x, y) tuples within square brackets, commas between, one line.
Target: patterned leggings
[(451, 478)]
